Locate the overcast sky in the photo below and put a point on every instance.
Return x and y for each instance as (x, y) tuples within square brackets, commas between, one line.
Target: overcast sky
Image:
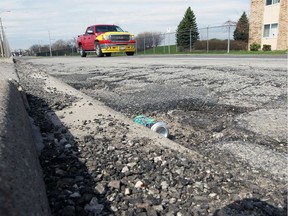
[(29, 21)]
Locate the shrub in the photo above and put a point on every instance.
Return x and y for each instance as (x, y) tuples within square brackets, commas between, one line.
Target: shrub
[(216, 44), (255, 46), (266, 47)]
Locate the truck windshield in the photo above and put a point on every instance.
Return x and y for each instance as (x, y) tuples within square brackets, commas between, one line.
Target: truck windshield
[(108, 28)]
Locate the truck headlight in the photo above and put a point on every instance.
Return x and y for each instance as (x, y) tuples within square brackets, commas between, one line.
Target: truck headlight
[(106, 37), (132, 37)]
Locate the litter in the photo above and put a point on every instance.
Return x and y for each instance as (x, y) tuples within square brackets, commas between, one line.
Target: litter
[(157, 126)]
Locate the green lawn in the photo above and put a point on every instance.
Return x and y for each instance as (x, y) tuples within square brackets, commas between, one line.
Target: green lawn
[(172, 50)]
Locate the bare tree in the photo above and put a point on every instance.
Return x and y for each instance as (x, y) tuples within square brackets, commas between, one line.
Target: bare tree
[(35, 49), (148, 40), (72, 42), (59, 45)]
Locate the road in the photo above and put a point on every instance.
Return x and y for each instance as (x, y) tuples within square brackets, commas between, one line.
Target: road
[(225, 108), (240, 97)]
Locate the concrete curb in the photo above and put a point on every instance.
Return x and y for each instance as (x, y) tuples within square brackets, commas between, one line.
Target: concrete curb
[(22, 190)]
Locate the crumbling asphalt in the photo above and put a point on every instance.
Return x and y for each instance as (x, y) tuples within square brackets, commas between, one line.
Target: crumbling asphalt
[(230, 111)]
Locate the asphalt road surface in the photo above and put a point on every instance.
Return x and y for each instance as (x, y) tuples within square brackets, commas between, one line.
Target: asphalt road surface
[(232, 109), (234, 101)]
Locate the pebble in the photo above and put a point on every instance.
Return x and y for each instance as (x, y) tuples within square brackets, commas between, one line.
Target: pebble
[(75, 195), (125, 169), (164, 185), (68, 146), (157, 159), (212, 195), (127, 191), (94, 206), (63, 141), (158, 208), (131, 165), (139, 184), (100, 189), (68, 211), (114, 184)]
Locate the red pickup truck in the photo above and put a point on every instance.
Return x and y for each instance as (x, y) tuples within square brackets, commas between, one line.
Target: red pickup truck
[(106, 39)]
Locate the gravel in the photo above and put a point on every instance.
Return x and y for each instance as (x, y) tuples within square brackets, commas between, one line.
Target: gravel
[(105, 172)]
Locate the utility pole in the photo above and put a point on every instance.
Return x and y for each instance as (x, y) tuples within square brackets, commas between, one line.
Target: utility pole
[(228, 47), (1, 39), (168, 32), (39, 46), (169, 50), (50, 44), (144, 46), (229, 23), (207, 39)]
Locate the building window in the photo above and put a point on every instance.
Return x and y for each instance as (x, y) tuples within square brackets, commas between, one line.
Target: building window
[(270, 2), (270, 30)]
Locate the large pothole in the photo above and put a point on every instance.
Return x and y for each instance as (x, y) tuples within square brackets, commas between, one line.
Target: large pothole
[(195, 116), (199, 122)]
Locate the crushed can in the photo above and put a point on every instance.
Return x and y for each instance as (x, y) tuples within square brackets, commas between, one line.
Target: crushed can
[(157, 126)]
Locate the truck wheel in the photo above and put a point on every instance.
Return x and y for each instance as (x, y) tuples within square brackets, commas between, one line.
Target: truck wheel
[(108, 54), (98, 50), (129, 53), (82, 52)]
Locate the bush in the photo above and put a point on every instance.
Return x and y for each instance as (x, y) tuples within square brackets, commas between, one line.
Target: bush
[(266, 47), (255, 46), (216, 44)]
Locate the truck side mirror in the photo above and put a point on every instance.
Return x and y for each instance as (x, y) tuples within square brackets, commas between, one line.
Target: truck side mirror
[(90, 31)]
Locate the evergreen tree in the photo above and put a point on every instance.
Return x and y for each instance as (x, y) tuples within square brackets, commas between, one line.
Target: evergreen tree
[(186, 27), (242, 29)]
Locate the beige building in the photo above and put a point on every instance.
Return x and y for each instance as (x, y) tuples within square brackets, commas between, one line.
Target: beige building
[(269, 23)]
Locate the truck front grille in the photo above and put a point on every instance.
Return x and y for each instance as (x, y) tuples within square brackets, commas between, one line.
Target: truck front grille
[(119, 38)]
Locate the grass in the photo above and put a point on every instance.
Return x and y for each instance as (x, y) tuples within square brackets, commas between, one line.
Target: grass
[(172, 50), (160, 50)]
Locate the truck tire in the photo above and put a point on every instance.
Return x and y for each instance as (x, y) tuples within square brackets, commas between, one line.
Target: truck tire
[(129, 53), (98, 50), (108, 54), (82, 52)]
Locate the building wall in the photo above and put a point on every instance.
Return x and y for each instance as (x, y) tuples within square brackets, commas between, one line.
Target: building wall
[(282, 28), (271, 15), (261, 14), (256, 19)]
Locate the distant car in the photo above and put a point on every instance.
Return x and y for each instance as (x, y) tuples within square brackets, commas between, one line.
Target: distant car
[(17, 54), (105, 39)]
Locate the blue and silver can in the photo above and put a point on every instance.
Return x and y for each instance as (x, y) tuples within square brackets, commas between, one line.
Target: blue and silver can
[(157, 126)]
